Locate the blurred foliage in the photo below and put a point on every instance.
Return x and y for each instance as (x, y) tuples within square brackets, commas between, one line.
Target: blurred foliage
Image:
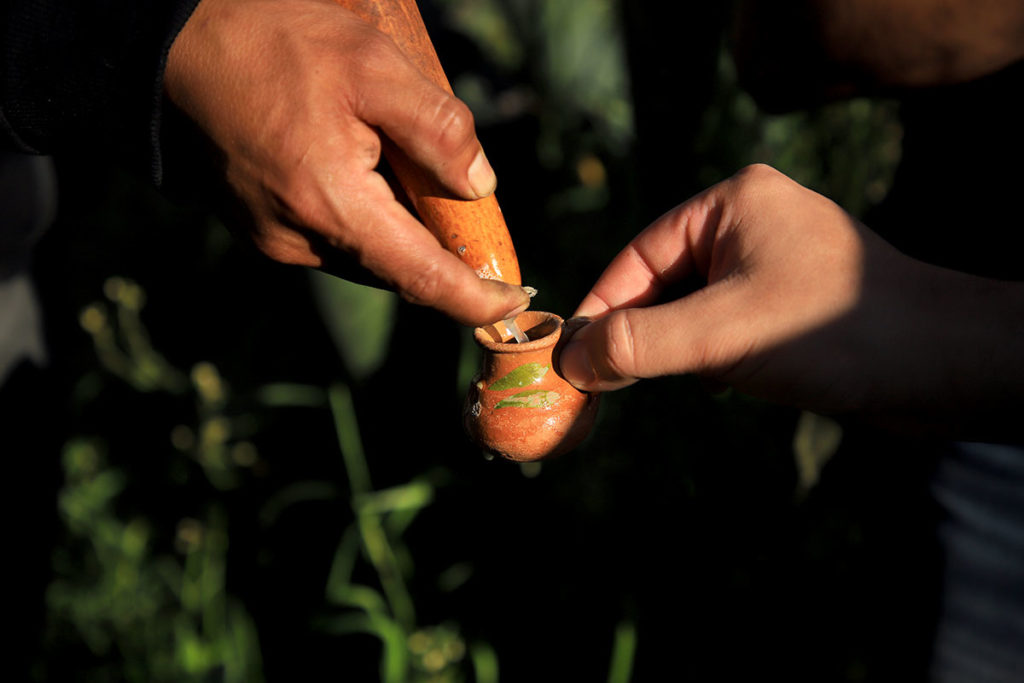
[(359, 318), (146, 612), (218, 518), (846, 150), (571, 60)]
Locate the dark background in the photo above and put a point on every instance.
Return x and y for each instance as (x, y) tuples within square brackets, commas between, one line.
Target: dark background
[(683, 521)]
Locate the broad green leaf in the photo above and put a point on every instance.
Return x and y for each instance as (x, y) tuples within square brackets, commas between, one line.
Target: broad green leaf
[(536, 398), (359, 319), (520, 377)]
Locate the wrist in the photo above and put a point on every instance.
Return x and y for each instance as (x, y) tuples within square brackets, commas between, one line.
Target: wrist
[(958, 368)]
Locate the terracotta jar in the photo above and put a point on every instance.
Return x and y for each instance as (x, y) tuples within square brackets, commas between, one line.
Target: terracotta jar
[(518, 406)]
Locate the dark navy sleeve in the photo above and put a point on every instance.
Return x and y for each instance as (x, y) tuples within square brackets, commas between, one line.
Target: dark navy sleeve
[(86, 76)]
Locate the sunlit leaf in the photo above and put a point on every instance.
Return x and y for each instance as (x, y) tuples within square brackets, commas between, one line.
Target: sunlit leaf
[(359, 319)]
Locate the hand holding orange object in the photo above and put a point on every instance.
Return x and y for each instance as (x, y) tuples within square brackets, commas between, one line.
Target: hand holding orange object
[(299, 97)]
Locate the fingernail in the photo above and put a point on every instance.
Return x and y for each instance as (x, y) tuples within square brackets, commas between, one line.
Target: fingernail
[(573, 325), (575, 365), (516, 311), (481, 175)]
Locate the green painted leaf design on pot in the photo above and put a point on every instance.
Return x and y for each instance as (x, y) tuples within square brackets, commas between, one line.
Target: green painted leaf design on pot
[(535, 398), (522, 376)]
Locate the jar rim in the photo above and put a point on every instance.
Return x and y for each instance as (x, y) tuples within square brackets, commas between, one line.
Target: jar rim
[(549, 325)]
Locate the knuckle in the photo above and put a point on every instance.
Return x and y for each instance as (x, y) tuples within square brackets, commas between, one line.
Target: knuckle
[(450, 120), (426, 287), (763, 185), (377, 54), (291, 198), (759, 170), (292, 203), (707, 358), (619, 343), (278, 248), (755, 175), (272, 248)]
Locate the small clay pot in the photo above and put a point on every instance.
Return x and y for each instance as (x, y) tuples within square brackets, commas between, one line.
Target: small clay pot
[(518, 406)]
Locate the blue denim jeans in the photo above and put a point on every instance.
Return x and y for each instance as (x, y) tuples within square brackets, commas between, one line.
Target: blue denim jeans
[(979, 489)]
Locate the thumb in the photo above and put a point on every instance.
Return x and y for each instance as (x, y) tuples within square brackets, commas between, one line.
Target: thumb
[(432, 126), (695, 334)]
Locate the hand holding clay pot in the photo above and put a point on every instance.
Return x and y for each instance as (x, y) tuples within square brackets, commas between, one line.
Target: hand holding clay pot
[(519, 407)]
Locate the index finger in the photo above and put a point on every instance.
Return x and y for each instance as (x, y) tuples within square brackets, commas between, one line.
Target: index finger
[(671, 248), (389, 242)]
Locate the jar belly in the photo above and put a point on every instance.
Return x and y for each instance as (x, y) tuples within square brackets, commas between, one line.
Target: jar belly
[(519, 407)]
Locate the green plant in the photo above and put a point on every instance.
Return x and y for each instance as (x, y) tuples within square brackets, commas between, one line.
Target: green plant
[(411, 652), (145, 611), (142, 613)]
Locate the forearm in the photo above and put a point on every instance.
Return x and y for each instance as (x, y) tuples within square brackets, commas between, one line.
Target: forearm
[(803, 51), (959, 367), (86, 75)]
